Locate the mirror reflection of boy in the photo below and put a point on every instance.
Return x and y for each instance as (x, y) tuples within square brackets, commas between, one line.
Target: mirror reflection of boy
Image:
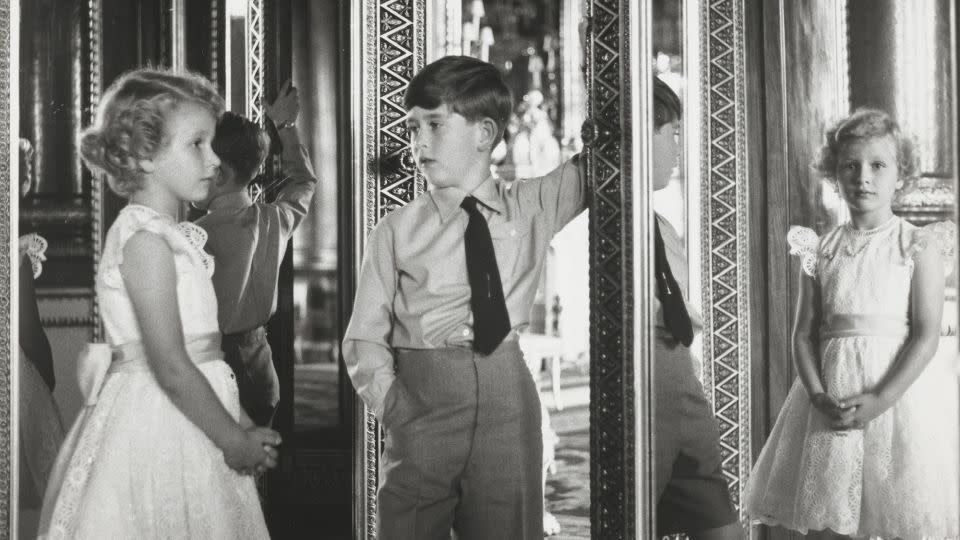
[(248, 240), (692, 493), (446, 283)]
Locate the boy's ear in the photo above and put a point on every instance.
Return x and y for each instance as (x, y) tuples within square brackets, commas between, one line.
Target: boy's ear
[(227, 174), (487, 134), (147, 165)]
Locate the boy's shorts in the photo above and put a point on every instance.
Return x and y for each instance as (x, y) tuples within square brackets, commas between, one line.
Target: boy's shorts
[(249, 355), (693, 493)]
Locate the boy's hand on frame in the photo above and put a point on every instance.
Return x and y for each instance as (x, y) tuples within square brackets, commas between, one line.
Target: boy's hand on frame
[(286, 108)]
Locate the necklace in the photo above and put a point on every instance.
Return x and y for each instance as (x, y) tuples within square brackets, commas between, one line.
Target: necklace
[(856, 240)]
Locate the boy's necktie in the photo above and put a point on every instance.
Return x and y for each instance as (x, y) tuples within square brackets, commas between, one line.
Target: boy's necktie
[(674, 310), (491, 322)]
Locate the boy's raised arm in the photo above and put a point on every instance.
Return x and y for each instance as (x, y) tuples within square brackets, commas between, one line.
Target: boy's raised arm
[(299, 182), (563, 192), (366, 343)]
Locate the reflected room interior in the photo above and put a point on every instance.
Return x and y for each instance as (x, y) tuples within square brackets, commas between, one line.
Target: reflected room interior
[(537, 46)]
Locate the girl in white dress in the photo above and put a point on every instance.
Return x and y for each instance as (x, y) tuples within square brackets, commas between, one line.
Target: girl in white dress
[(866, 442), (161, 448)]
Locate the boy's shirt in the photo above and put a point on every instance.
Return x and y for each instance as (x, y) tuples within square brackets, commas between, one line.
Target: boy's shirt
[(677, 259), (248, 241), (413, 291)]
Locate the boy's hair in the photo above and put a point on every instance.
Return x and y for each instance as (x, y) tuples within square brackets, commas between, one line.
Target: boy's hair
[(131, 120), (666, 104), (242, 144), (472, 88), (867, 124)]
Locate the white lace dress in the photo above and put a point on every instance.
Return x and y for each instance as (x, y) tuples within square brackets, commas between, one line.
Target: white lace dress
[(133, 466), (898, 477)]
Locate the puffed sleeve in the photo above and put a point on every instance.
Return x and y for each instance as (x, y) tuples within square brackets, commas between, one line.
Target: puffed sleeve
[(942, 235), (803, 243)]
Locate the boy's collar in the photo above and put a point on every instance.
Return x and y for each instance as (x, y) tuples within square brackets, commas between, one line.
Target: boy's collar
[(233, 200), (448, 199)]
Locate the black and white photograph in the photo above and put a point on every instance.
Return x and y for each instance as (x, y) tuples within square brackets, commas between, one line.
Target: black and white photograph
[(479, 269)]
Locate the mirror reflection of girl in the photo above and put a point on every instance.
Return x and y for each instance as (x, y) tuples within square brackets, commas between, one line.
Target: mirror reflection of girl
[(866, 442), (40, 424), (161, 448)]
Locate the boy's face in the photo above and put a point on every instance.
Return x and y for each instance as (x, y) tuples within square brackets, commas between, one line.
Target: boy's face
[(446, 147), (666, 153)]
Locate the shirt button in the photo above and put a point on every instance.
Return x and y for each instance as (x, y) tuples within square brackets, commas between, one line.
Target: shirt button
[(513, 232), (466, 332)]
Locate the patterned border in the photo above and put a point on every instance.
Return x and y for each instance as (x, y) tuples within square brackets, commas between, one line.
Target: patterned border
[(393, 49), (612, 434), (5, 267), (726, 293), (94, 84), (255, 46)]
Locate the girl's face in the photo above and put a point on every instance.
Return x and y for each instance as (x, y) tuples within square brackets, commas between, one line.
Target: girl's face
[(868, 175), (186, 167)]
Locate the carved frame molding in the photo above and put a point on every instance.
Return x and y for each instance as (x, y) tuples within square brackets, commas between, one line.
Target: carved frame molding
[(6, 343), (725, 238), (389, 46)]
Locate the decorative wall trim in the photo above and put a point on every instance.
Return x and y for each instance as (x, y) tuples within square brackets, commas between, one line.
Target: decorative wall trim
[(6, 354), (255, 57), (391, 50), (726, 292)]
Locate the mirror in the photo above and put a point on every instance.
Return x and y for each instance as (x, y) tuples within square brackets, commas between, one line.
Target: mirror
[(835, 58), (536, 45), (693, 492)]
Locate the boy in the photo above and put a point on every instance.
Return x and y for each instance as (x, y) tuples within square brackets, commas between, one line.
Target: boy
[(446, 283), (693, 494), (248, 240)]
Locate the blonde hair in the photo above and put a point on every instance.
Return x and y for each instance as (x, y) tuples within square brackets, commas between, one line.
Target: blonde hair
[(867, 124), (131, 119)]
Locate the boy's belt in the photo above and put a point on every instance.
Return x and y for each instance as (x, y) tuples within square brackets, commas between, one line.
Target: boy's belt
[(245, 338)]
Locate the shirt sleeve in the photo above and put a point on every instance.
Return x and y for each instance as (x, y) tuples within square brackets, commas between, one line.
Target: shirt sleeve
[(299, 182), (563, 192), (366, 343)]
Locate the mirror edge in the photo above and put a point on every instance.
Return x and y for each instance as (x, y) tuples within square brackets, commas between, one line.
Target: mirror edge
[(9, 35)]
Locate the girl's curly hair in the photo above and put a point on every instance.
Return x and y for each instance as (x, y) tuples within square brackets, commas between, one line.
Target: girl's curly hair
[(867, 124), (130, 124)]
